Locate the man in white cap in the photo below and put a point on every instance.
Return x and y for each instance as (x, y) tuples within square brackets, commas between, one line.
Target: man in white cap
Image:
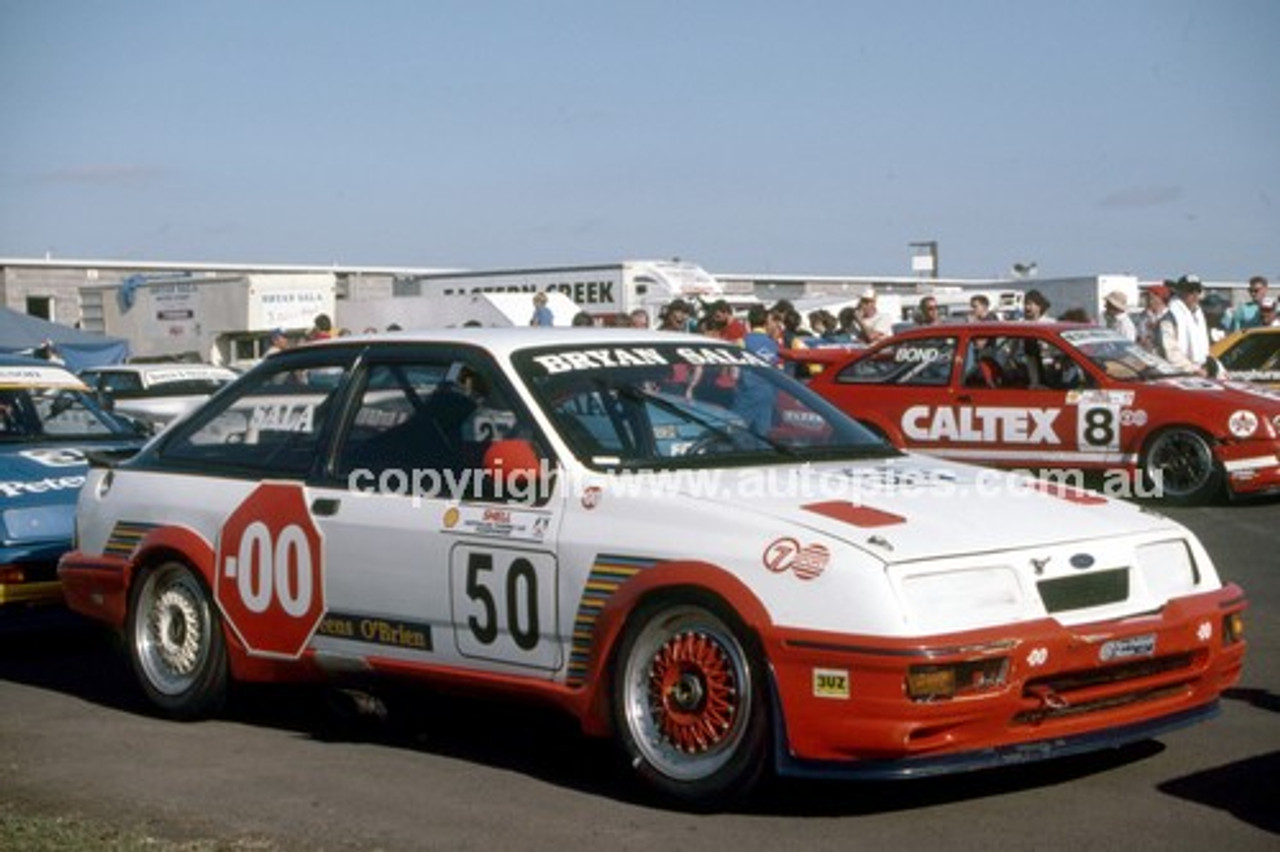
[(872, 324), (1115, 315), (1183, 334)]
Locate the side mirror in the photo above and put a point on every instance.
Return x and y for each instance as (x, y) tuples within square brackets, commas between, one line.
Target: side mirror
[(514, 467)]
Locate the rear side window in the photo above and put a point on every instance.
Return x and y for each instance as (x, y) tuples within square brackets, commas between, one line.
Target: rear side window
[(274, 423), (437, 413), (920, 361), (117, 383)]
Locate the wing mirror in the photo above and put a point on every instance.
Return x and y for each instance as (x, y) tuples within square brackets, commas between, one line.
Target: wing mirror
[(514, 467)]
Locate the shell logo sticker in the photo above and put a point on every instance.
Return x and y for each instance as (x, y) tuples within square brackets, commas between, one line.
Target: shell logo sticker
[(591, 496), (787, 554), (831, 683)]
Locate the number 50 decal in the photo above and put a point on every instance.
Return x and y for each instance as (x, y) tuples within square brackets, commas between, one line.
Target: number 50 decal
[(504, 605)]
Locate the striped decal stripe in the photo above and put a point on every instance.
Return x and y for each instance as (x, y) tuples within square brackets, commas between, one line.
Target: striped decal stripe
[(608, 573), (125, 538)]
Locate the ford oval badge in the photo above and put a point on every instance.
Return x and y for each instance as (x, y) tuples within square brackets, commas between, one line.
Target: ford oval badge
[(1082, 560)]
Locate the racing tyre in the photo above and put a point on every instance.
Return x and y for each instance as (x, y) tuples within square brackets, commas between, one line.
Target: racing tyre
[(175, 644), (690, 704), (1179, 462)]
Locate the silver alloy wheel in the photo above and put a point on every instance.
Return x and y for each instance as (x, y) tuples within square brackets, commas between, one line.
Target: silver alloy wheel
[(687, 693), (1180, 462), (172, 631)]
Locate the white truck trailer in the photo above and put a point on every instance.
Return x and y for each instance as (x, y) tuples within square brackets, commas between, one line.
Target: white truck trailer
[(415, 312), (221, 318), (608, 292)]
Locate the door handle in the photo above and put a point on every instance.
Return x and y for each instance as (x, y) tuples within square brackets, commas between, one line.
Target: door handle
[(964, 397), (325, 506)]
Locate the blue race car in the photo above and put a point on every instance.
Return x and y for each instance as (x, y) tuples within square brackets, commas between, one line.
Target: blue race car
[(48, 421)]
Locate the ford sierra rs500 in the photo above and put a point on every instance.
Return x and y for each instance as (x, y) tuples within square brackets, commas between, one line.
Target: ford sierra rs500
[(558, 515)]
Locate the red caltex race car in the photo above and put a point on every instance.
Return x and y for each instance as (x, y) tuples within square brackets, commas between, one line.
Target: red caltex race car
[(1059, 395), (575, 516)]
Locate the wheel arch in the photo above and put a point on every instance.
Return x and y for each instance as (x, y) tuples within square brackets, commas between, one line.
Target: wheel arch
[(683, 580), (181, 543)]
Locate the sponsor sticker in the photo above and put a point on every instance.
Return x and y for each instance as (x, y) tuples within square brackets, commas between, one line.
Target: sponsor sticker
[(569, 360), (376, 631), (20, 488), (1124, 649), (831, 683), (1100, 397), (806, 561), (983, 424), (55, 457), (497, 522)]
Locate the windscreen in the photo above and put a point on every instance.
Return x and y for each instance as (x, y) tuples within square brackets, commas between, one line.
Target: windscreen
[(671, 405)]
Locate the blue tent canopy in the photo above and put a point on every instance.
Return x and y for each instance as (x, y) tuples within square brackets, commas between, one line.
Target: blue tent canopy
[(21, 332)]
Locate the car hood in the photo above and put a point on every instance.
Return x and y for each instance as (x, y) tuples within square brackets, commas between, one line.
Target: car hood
[(1233, 392), (38, 491), (39, 486), (917, 507)]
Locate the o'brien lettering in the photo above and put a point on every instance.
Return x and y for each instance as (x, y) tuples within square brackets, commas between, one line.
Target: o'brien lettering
[(376, 631)]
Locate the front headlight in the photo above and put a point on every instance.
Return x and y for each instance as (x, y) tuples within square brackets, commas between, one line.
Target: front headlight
[(954, 600), (1168, 568)]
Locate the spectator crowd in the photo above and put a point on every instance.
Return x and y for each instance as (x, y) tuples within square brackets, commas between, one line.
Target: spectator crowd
[(1171, 321)]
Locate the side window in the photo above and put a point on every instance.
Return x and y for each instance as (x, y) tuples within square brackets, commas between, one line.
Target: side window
[(275, 423), (1017, 362), (118, 382), (1058, 370), (598, 420), (64, 414), (426, 415), (920, 361)]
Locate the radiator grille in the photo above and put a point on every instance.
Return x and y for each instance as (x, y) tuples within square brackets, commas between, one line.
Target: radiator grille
[(1085, 590)]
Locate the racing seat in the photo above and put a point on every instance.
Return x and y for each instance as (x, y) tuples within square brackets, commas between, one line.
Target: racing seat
[(431, 438), (990, 373)]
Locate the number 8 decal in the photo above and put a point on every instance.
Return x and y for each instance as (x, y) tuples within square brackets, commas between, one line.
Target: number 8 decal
[(1097, 427)]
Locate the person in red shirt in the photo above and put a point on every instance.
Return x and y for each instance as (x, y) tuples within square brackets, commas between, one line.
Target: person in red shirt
[(724, 324)]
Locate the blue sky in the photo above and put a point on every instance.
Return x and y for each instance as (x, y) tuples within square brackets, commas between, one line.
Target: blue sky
[(785, 137)]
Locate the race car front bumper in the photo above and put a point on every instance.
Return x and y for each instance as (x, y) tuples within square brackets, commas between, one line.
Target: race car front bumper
[(1252, 467), (29, 576), (871, 707)]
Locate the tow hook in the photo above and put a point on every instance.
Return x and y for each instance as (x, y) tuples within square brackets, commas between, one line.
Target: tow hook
[(1049, 700)]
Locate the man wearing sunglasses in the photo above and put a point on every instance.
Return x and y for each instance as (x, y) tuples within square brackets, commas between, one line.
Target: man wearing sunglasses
[(1249, 315)]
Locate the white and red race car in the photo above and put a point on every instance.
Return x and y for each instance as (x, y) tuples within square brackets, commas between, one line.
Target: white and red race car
[(1064, 396), (561, 515)]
